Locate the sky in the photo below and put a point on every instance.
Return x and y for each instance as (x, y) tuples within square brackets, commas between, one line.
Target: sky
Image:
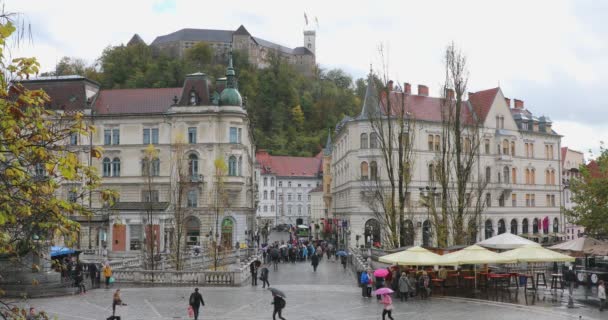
[(552, 54)]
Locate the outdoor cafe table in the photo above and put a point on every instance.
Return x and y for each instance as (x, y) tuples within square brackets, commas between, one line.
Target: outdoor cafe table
[(499, 278)]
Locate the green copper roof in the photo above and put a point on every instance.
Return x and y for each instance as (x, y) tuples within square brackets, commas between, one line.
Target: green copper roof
[(230, 96)]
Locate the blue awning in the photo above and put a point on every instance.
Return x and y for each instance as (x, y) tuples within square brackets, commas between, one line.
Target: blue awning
[(59, 251)]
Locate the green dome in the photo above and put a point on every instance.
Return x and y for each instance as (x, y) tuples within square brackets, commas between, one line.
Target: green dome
[(230, 97)]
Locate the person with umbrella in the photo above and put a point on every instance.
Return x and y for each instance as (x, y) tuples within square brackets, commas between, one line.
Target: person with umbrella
[(253, 267), (264, 277), (315, 262), (379, 274), (278, 302), (387, 301)]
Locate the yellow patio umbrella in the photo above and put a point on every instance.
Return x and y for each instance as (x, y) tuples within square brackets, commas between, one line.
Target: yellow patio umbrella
[(535, 253), (414, 256)]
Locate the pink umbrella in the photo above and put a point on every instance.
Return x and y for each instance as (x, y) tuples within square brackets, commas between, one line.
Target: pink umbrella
[(381, 273), (382, 291)]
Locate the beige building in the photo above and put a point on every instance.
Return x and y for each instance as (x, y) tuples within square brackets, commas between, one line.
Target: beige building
[(223, 41), (519, 159), (571, 162), (212, 126)]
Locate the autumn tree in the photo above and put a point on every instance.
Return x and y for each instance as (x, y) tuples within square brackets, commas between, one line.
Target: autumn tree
[(181, 180), (36, 162), (150, 169), (590, 195)]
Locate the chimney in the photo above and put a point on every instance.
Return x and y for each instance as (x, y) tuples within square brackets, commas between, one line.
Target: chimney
[(519, 104), (408, 88), (390, 86), (449, 94), (508, 102), (423, 90)]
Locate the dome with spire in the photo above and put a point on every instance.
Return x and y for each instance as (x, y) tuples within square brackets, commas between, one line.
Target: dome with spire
[(230, 96)]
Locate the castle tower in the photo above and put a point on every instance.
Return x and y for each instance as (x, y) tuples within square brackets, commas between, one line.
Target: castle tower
[(309, 40)]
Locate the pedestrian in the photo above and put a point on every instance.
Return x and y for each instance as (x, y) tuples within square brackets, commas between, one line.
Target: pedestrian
[(570, 278), (364, 280), (343, 261), (379, 284), (315, 262), (388, 306), (116, 301), (264, 277), (279, 304), (264, 255), (80, 281), (254, 273), (425, 290), (370, 283), (601, 294), (404, 286), (275, 259), (93, 274), (107, 274), (195, 301)]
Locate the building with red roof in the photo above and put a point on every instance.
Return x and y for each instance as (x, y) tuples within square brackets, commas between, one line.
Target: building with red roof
[(519, 165)]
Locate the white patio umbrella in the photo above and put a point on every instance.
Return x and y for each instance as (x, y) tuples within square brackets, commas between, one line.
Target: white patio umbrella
[(505, 241), (535, 253), (577, 245)]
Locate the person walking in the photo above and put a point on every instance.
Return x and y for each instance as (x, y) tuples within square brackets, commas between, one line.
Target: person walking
[(279, 304), (387, 301), (116, 301), (93, 274), (379, 284), (343, 261), (80, 281), (364, 280), (264, 277), (404, 286), (570, 278), (601, 294), (315, 262), (254, 273), (107, 274), (195, 301), (424, 285)]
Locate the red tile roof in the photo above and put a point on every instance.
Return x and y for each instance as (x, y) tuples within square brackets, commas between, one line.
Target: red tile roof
[(481, 101), (285, 166), (65, 95), (131, 101), (422, 107)]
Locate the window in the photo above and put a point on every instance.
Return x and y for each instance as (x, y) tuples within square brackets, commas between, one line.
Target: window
[(115, 136), (289, 197), (501, 226), (272, 182), (431, 144), (288, 209), (192, 199), (513, 148), (265, 182), (281, 184), (151, 168), (265, 208), (265, 195), (150, 136), (240, 166), (192, 135), (488, 200), (513, 175), (505, 147), (280, 197), (373, 140), (431, 172), (272, 208), (374, 170), (299, 209), (488, 174), (514, 226), (149, 196), (116, 167), (527, 147), (487, 146), (232, 166), (531, 145), (513, 200), (235, 135), (74, 138), (524, 226), (107, 167), (533, 176), (135, 235), (299, 197), (299, 185), (505, 174), (107, 137), (501, 200), (364, 144), (437, 142), (532, 200), (72, 196), (309, 197), (364, 171), (193, 165), (289, 184), (272, 195), (39, 170), (535, 225)]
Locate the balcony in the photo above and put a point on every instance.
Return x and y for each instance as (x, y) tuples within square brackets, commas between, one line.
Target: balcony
[(504, 157), (197, 178)]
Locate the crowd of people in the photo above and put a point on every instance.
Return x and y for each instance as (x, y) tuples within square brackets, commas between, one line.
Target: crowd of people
[(404, 283)]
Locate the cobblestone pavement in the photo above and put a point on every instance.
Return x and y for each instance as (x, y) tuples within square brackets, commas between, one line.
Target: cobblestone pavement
[(330, 293)]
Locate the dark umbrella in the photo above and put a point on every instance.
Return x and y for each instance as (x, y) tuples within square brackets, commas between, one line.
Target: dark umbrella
[(342, 253), (257, 263), (277, 292)]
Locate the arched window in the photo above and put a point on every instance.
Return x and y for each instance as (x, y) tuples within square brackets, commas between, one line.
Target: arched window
[(232, 166), (513, 226), (272, 195), (265, 195), (555, 225), (488, 174), (505, 147), (156, 167), (505, 174), (364, 144), (116, 167), (535, 225), (240, 171), (364, 171), (272, 181), (527, 176), (489, 230), (502, 228), (437, 143), (265, 181), (533, 176), (107, 167), (193, 165), (431, 172), (513, 175), (552, 177), (373, 170), (407, 235), (426, 233), (373, 140), (512, 148), (547, 177), (371, 232), (524, 226)]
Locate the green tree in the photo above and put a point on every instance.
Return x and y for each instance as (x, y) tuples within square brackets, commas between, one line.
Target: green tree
[(199, 56), (297, 116), (590, 193)]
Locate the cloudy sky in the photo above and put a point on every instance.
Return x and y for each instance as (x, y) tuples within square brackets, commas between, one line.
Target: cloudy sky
[(552, 54)]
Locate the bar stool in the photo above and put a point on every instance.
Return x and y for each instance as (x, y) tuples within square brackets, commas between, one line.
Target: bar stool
[(557, 279), (526, 278), (540, 274)]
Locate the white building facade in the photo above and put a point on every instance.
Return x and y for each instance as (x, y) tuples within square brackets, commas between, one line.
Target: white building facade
[(571, 162), (519, 158)]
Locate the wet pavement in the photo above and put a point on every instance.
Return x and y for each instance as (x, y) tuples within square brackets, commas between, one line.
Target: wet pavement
[(329, 293)]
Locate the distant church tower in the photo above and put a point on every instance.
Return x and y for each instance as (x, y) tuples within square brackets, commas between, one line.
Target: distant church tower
[(309, 40)]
